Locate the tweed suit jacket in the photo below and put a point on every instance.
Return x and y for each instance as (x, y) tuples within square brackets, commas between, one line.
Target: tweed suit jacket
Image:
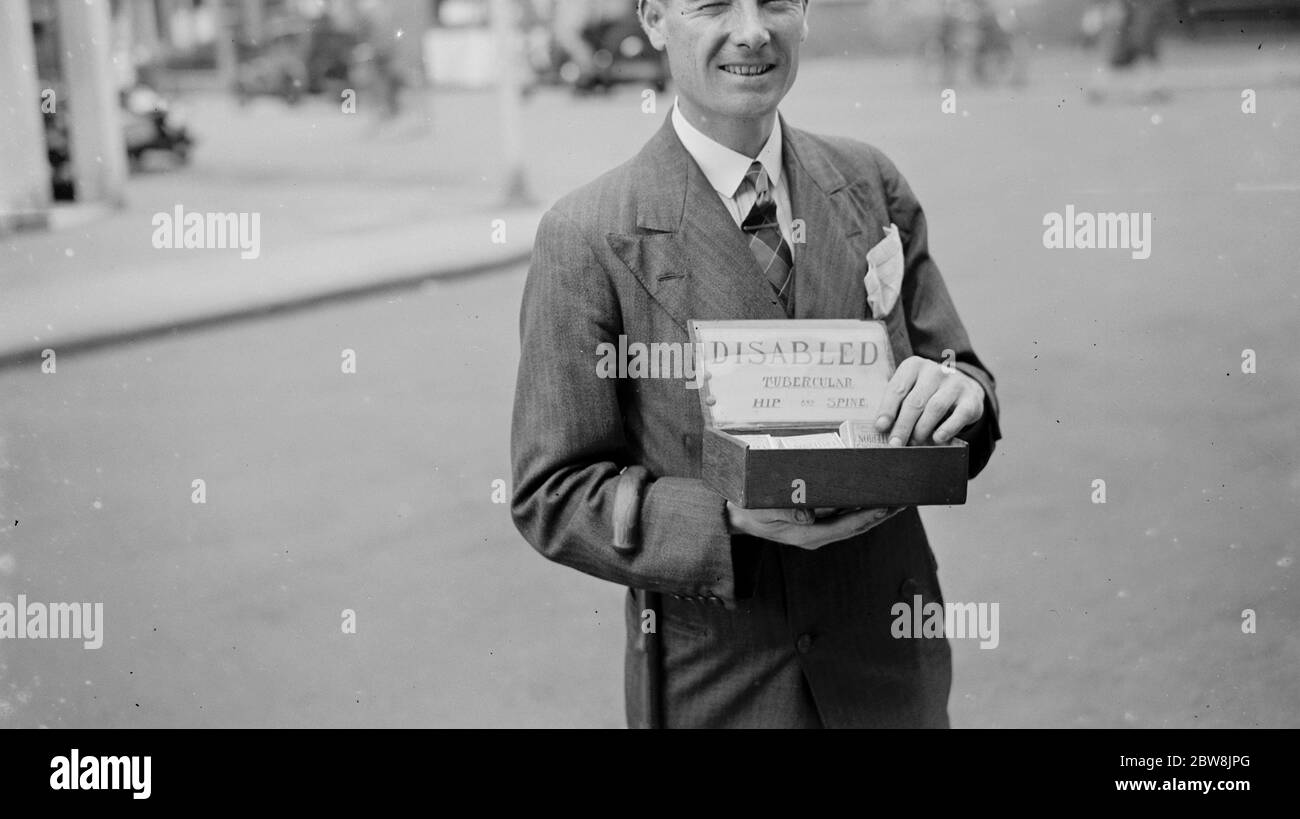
[(751, 632)]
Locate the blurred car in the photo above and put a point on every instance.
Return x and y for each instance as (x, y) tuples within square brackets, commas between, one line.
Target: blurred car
[(624, 55), (296, 58), (276, 67), (620, 53)]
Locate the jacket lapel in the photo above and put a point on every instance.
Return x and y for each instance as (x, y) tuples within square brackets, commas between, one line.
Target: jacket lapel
[(692, 259), (687, 252), (831, 260)]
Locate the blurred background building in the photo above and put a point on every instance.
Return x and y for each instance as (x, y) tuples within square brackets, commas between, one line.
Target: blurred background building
[(90, 85), (82, 80)]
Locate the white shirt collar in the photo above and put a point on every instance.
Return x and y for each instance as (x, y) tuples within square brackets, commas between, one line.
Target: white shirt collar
[(724, 168)]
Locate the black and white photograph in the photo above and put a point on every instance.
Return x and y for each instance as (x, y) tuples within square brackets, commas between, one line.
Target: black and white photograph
[(602, 364)]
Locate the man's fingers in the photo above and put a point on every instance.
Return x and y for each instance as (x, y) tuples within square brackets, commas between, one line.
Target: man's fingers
[(842, 527), (823, 512), (780, 517), (784, 526), (914, 404), (895, 391), (767, 523), (963, 415), (788, 517), (936, 409)]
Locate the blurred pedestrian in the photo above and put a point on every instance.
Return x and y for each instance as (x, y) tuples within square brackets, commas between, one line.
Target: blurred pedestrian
[(1133, 51), (998, 54), (1140, 33), (374, 64), (972, 39), (949, 40)]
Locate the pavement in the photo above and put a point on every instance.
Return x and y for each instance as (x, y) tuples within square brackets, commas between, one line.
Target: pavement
[(342, 205), (348, 205), (151, 293)]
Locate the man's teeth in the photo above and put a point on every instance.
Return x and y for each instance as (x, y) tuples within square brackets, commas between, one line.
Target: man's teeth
[(747, 70)]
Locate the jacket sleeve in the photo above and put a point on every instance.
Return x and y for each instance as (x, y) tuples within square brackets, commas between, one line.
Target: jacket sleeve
[(569, 450), (933, 325)]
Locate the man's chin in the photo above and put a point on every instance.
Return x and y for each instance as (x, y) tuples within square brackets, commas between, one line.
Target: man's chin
[(748, 103), (749, 109)]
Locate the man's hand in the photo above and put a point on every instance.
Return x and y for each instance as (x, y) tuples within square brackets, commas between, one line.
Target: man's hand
[(927, 402), (806, 528)]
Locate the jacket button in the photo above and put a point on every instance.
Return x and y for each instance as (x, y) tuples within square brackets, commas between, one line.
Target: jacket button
[(804, 643), (909, 589)]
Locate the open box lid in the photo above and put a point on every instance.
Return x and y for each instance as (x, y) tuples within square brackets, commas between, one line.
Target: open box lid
[(796, 373)]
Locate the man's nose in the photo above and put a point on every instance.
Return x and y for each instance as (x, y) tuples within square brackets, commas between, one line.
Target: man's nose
[(751, 29)]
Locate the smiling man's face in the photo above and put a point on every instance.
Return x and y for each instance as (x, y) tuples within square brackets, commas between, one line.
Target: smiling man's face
[(730, 60)]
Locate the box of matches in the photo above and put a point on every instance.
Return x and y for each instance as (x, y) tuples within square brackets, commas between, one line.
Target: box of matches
[(789, 413)]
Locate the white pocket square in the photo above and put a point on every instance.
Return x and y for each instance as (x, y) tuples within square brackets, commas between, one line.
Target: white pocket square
[(884, 279)]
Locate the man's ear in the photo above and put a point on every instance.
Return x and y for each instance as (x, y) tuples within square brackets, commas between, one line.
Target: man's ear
[(652, 14)]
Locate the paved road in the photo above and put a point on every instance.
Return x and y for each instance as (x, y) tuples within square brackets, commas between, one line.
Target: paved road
[(325, 491), (372, 491)]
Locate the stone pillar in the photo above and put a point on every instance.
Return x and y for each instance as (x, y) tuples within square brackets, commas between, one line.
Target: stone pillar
[(24, 169), (94, 119)]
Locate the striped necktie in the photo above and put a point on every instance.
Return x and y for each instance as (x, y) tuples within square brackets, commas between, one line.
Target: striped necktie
[(765, 240)]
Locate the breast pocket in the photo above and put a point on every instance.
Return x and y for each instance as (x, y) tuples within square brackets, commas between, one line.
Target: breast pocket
[(896, 324), (886, 265)]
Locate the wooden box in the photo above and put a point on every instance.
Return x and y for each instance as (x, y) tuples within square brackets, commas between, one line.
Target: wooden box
[(802, 377)]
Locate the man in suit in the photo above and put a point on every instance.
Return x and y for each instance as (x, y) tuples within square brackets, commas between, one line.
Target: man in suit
[(762, 617)]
